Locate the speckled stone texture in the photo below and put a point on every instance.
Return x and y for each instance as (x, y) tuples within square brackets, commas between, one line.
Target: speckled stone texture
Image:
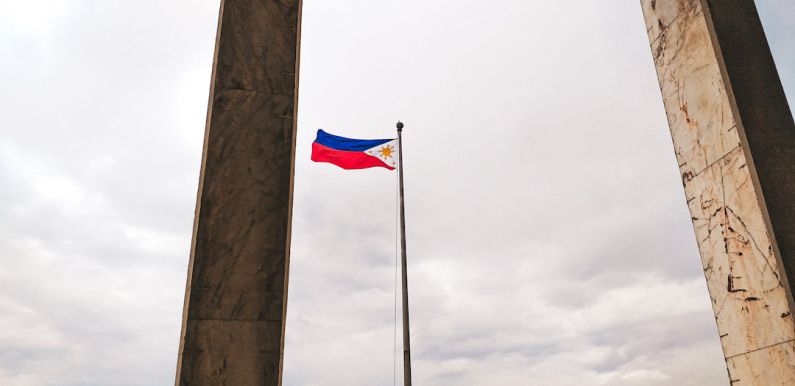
[(235, 300), (734, 138)]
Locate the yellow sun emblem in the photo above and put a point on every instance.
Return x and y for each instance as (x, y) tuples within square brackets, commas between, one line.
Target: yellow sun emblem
[(386, 151)]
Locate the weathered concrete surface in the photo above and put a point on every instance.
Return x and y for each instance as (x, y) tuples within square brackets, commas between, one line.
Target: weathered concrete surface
[(235, 300), (734, 137)]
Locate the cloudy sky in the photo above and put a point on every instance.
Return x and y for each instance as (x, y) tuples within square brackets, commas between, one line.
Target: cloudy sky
[(549, 241)]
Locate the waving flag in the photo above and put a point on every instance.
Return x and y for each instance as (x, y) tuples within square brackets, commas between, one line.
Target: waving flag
[(349, 153)]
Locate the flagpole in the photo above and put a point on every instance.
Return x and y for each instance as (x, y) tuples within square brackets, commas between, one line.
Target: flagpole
[(406, 345)]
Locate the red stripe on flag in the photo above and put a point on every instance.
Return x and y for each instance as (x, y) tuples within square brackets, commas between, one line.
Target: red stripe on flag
[(346, 159)]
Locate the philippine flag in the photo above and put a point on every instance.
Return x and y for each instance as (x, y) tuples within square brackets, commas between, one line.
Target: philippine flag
[(349, 153)]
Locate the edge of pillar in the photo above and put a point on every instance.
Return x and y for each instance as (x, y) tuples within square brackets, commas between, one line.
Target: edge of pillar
[(292, 193)]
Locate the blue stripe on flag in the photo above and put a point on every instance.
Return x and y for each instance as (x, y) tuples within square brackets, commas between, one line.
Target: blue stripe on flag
[(347, 144)]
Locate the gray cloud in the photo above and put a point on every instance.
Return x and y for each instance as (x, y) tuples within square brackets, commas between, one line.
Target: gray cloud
[(549, 241), (102, 126)]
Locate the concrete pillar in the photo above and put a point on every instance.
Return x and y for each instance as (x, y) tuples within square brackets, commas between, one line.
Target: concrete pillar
[(235, 300), (734, 138)]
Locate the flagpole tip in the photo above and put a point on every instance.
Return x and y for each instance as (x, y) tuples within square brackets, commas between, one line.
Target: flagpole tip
[(400, 126)]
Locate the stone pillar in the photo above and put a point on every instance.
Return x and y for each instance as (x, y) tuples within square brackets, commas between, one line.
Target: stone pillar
[(734, 138), (235, 300)]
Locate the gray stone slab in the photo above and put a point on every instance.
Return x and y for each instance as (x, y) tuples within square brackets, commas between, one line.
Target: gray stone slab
[(734, 137), (235, 300), (231, 352)]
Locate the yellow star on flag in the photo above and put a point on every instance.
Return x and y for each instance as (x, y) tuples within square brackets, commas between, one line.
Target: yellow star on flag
[(387, 151)]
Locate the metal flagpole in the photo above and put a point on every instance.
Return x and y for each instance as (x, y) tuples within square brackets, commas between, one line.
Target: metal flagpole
[(406, 345)]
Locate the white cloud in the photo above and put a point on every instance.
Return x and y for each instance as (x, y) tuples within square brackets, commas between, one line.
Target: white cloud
[(549, 242)]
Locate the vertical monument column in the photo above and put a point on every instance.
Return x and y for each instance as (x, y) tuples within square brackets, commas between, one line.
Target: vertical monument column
[(734, 138), (235, 300)]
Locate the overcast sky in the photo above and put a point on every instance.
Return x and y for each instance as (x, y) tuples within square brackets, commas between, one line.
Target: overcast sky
[(548, 238)]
